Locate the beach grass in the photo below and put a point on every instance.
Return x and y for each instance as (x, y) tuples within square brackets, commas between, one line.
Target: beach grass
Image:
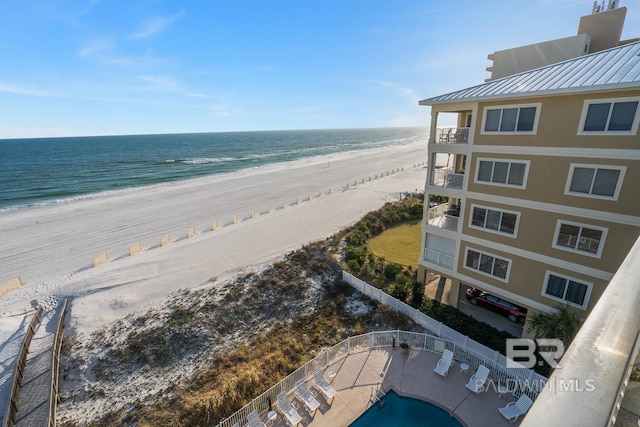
[(399, 244)]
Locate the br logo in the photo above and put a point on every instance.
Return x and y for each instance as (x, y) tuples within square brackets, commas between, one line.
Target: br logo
[(521, 352)]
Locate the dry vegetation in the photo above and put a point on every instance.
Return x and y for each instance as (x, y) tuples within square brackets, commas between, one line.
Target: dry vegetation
[(206, 353)]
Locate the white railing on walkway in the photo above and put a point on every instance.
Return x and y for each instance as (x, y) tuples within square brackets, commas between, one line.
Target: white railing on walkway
[(518, 381)]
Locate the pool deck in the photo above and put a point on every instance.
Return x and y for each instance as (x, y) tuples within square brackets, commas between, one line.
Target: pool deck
[(361, 376)]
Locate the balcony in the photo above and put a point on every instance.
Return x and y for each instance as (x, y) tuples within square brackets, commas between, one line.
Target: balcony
[(453, 136), (444, 216), (447, 178), (438, 258), (440, 250)]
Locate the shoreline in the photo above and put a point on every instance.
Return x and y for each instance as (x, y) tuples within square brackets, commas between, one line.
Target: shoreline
[(319, 159), (53, 247)]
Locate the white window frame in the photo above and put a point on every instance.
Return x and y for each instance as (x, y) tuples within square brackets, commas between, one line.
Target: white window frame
[(616, 193), (585, 109), (526, 163), (537, 105), (598, 254), (477, 270), (587, 295), (489, 230)]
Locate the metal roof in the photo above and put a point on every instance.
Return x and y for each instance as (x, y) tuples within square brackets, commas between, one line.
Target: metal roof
[(618, 67)]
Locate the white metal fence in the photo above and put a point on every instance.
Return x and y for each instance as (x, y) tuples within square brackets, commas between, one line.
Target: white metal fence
[(519, 381), (465, 349)]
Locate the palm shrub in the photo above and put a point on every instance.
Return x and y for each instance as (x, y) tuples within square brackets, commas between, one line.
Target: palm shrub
[(417, 294), (562, 324), (391, 270), (399, 291)]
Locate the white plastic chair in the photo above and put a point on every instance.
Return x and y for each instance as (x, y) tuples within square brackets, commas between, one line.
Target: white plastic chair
[(288, 410), (323, 385), (514, 409), (306, 396), (476, 383), (254, 419), (444, 363)]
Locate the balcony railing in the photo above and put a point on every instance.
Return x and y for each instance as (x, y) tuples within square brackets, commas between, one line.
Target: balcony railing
[(443, 216), (447, 179), (439, 258), (453, 136)]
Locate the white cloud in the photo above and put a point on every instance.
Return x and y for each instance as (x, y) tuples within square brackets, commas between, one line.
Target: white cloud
[(22, 90), (224, 110), (161, 83), (155, 25), (96, 47)]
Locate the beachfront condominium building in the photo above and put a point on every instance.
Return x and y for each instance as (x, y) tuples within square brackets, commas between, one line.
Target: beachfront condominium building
[(600, 30), (539, 200)]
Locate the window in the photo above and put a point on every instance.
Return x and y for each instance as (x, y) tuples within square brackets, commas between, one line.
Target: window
[(595, 181), (502, 172), (494, 220), (610, 116), (487, 264), (567, 290), (521, 119), (587, 240)]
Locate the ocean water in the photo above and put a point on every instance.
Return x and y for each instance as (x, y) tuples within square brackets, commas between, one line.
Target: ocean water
[(55, 170)]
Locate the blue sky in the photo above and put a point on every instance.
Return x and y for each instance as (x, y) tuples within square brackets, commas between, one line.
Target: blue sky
[(109, 67)]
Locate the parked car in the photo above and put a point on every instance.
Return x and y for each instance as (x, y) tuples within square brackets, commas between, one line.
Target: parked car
[(513, 312)]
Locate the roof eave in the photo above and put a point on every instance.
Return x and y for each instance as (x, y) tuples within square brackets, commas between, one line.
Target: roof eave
[(550, 92)]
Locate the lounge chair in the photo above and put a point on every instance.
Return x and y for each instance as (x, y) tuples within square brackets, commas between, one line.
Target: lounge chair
[(514, 409), (254, 419), (445, 135), (288, 410), (444, 363), (306, 396), (323, 385), (476, 383)]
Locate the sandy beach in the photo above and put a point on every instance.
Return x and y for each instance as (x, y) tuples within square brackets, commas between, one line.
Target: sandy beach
[(52, 248)]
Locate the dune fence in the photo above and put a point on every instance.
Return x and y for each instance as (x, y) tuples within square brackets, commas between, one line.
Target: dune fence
[(236, 219), (11, 285), (135, 249), (100, 259)]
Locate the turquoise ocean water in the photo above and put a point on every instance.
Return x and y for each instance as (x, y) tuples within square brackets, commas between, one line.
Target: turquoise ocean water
[(53, 170)]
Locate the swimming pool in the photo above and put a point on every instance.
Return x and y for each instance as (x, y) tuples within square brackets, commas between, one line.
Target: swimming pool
[(395, 410)]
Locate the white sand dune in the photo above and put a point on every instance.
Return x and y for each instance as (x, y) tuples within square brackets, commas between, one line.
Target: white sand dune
[(52, 247)]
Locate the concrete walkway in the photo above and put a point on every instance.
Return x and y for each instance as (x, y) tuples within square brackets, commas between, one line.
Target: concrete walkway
[(361, 376), (33, 404)]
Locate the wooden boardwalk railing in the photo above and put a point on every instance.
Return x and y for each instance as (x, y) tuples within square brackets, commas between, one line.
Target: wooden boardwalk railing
[(55, 364), (14, 395)]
